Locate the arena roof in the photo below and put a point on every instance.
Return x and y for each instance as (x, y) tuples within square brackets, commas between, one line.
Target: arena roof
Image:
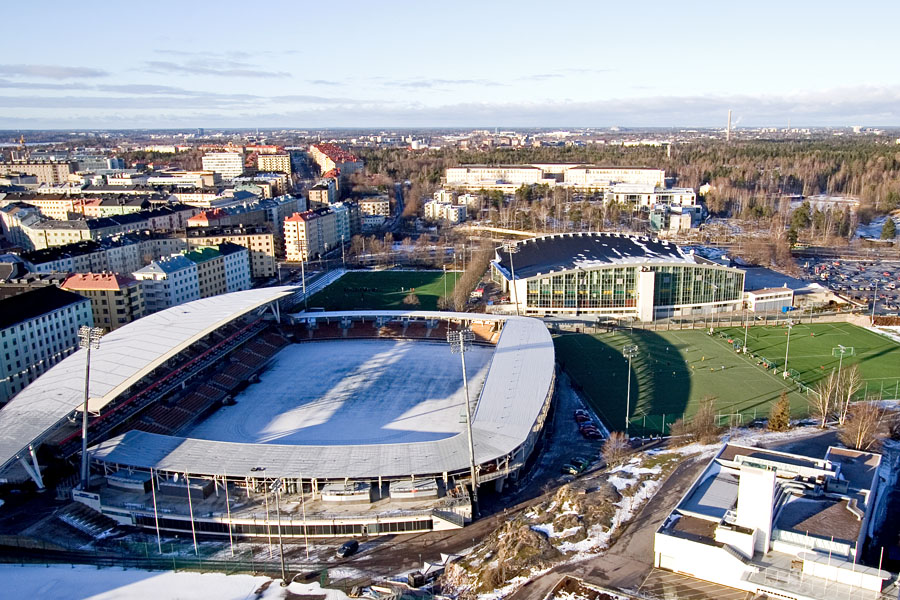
[(568, 251), (123, 358), (517, 384)]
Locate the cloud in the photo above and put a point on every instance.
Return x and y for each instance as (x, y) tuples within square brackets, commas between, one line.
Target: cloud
[(41, 85), (51, 71), (425, 83), (870, 105), (323, 82), (218, 68)]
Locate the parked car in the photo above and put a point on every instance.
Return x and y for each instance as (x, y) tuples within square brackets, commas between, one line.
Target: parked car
[(582, 419), (571, 470), (581, 411), (348, 548), (580, 462)]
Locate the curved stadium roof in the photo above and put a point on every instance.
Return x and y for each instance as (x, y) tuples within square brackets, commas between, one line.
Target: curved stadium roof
[(124, 357), (568, 251), (514, 392)]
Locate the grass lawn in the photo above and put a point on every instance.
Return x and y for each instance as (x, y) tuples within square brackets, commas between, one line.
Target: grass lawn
[(384, 290), (812, 346), (674, 370)]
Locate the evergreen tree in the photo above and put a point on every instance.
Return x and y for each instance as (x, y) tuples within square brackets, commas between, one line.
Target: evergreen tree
[(889, 231), (780, 414)]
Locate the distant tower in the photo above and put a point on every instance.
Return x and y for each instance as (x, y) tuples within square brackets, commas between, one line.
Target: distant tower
[(728, 130)]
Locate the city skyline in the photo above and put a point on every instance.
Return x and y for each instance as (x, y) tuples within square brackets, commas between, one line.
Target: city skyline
[(407, 65)]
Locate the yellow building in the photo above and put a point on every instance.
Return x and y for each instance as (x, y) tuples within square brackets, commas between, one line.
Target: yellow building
[(274, 163), (115, 299), (258, 240)]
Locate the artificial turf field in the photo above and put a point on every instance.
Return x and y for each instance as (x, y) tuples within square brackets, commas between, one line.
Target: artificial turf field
[(674, 370), (384, 290)]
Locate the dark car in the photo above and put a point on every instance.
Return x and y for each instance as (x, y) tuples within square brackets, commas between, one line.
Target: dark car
[(582, 419), (571, 470), (580, 462), (581, 412), (348, 548)]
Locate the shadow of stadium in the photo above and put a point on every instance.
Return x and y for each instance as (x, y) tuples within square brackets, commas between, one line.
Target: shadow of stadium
[(660, 387)]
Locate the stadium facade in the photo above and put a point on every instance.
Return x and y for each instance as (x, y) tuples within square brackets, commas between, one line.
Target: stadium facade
[(154, 380), (614, 275)]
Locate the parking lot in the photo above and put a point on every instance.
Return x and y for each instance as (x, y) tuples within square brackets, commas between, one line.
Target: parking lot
[(859, 279)]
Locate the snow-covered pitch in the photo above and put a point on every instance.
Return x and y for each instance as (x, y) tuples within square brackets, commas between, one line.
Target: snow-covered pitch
[(352, 392)]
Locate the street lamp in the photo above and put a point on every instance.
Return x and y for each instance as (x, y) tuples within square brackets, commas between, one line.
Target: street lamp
[(511, 248), (276, 487), (746, 325), (787, 348), (629, 352), (461, 341), (88, 337)]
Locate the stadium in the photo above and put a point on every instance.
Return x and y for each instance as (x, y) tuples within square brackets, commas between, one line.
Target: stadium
[(614, 275), (209, 417)]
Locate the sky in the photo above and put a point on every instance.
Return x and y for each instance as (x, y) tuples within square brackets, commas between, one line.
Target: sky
[(388, 64)]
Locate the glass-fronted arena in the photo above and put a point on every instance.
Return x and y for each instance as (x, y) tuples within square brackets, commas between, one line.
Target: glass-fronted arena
[(616, 275)]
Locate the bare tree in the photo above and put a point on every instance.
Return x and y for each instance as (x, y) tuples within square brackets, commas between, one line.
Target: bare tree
[(615, 448), (864, 427), (849, 383), (706, 429), (411, 299), (822, 400)]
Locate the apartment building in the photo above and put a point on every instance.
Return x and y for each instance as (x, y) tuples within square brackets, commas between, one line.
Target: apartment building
[(16, 219), (118, 254), (51, 206), (38, 328), (259, 240), (646, 195), (168, 282), (310, 234), (508, 178), (227, 164), (324, 193), (47, 172), (237, 267), (275, 163), (436, 210), (115, 299), (379, 205), (210, 270), (185, 179), (331, 156)]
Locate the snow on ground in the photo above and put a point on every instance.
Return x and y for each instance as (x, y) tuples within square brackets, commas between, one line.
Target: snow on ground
[(352, 391), (66, 582), (873, 229)]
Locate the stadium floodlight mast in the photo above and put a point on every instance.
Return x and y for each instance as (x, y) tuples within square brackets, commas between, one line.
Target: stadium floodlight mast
[(461, 341), (88, 337), (629, 352), (787, 348), (276, 487), (511, 248)]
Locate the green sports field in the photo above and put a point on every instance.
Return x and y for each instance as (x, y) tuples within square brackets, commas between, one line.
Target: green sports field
[(383, 290), (674, 370)]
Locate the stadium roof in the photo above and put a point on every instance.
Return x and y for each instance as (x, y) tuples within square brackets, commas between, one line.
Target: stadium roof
[(568, 251), (124, 357), (515, 389)]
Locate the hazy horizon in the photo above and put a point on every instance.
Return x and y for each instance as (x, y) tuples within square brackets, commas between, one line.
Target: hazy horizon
[(463, 65)]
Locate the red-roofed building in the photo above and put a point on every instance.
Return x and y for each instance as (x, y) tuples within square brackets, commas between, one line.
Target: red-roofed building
[(310, 234), (115, 299), (332, 156)]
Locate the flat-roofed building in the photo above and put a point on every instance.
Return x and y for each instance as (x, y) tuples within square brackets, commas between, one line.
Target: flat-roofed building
[(778, 525), (379, 205), (647, 195), (115, 299), (258, 239), (324, 193), (436, 210), (770, 299), (237, 266), (227, 164), (309, 234), (38, 328), (47, 172), (275, 163)]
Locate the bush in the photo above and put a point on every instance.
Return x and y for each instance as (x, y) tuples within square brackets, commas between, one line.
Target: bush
[(616, 448)]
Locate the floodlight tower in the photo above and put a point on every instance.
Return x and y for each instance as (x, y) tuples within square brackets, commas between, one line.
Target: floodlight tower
[(787, 348), (88, 337), (511, 248), (629, 352), (461, 341), (276, 488)]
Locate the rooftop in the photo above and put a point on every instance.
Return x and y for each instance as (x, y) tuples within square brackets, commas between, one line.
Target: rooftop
[(125, 356), (98, 281), (21, 303), (568, 251)]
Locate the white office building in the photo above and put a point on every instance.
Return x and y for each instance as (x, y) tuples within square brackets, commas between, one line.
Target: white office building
[(227, 164)]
